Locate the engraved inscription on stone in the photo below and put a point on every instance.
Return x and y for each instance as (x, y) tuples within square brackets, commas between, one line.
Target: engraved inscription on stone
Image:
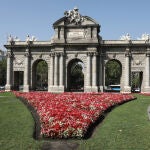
[(76, 34)]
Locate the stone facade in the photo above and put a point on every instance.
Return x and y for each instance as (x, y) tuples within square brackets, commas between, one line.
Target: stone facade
[(77, 37)]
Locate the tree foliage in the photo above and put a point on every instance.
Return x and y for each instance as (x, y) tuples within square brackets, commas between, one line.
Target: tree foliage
[(76, 76), (136, 79), (113, 72), (3, 66), (42, 73)]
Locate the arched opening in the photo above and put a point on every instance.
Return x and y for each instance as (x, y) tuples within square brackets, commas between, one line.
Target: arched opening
[(136, 81), (18, 80), (40, 75), (75, 76), (113, 72)]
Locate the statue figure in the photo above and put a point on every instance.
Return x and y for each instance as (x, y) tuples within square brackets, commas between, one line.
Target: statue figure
[(73, 16), (126, 37), (16, 38), (10, 38), (28, 38), (144, 37), (33, 38)]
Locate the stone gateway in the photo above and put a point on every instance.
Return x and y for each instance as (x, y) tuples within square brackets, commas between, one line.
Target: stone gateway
[(77, 38)]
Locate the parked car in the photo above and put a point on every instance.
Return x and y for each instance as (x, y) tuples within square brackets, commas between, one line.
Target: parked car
[(136, 90), (2, 87), (20, 87)]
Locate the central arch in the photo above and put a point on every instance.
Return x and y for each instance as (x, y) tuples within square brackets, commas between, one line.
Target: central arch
[(75, 75), (40, 75), (113, 73)]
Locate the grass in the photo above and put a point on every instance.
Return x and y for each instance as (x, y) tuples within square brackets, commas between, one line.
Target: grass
[(125, 128), (16, 125)]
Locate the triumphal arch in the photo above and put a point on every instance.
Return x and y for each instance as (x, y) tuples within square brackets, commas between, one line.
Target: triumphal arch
[(77, 38)]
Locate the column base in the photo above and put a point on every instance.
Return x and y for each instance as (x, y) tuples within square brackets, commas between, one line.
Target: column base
[(8, 87), (61, 89), (26, 88), (56, 89), (87, 89), (94, 89), (101, 89), (91, 89), (146, 89), (127, 89), (50, 88)]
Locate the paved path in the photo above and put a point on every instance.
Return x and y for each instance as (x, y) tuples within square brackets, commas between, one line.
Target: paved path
[(60, 145)]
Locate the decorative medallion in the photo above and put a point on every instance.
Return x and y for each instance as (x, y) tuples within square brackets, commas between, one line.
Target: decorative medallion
[(18, 62)]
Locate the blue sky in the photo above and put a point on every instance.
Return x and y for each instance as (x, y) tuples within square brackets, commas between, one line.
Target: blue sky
[(35, 17)]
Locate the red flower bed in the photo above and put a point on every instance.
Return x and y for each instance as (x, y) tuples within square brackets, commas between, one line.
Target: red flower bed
[(146, 94), (70, 115)]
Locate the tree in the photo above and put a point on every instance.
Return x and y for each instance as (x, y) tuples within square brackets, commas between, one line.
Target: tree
[(42, 73), (136, 79), (76, 75), (113, 72), (3, 66)]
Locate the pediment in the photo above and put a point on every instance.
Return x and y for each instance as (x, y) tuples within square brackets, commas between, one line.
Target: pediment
[(74, 28), (59, 22), (86, 21)]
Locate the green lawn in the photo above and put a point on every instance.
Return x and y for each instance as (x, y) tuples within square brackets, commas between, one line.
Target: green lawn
[(125, 128), (16, 125)]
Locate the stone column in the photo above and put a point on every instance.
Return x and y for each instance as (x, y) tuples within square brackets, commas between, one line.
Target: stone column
[(51, 73), (8, 85), (56, 70), (26, 71), (127, 72), (101, 74), (52, 70), (94, 72), (61, 70), (61, 73), (88, 73), (147, 71)]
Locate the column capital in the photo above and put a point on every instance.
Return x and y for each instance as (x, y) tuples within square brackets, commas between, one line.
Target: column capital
[(9, 54), (27, 54), (147, 54), (128, 54), (92, 53), (148, 48), (89, 53), (61, 53), (52, 54), (95, 53), (57, 54)]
